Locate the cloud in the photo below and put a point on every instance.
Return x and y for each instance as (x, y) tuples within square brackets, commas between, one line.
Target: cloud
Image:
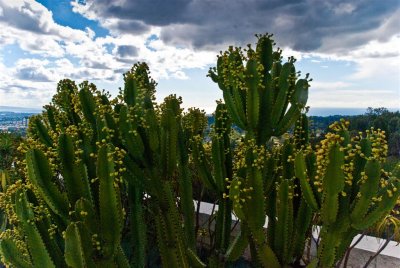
[(31, 16), (127, 51), (303, 25), (31, 26), (316, 85), (32, 74), (353, 98), (178, 36)]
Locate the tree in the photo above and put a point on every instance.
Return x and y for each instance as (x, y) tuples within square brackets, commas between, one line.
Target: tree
[(8, 148)]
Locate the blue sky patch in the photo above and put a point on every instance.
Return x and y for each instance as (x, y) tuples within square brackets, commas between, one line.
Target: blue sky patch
[(63, 15)]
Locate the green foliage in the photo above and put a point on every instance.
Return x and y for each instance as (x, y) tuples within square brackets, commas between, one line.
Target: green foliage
[(356, 192), (8, 149), (378, 118), (106, 182)]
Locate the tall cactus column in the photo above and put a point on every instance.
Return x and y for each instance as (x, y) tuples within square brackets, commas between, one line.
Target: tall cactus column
[(264, 98)]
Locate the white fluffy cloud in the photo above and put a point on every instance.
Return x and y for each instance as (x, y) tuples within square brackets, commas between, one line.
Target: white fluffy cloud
[(77, 54)]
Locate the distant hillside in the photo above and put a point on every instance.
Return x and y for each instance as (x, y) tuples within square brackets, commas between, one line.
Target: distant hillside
[(331, 111)]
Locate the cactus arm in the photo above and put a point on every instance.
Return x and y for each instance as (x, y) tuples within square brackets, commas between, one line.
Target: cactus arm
[(256, 205), (171, 230), (237, 247), (267, 257), (359, 165), (42, 132), (234, 78), (88, 147), (130, 137), (218, 160), (266, 101), (12, 255), (39, 254), (345, 242), (81, 171), (54, 244), (275, 73), (268, 176), (40, 175), (121, 260), (73, 181), (264, 51), (138, 226), (85, 213), (238, 118), (313, 264), (311, 160), (219, 146), (287, 121), (186, 192), (367, 189), (214, 77), (231, 106), (301, 173), (283, 213), (234, 190), (288, 233), (167, 254), (300, 95), (384, 206), (272, 222), (301, 132), (283, 92), (152, 132), (203, 164), (170, 123), (327, 250), (112, 125), (110, 214), (221, 72), (67, 155), (223, 225), (130, 90), (253, 96), (239, 103), (78, 248), (88, 106), (194, 260), (302, 226), (334, 183), (26, 215), (50, 117), (101, 134)]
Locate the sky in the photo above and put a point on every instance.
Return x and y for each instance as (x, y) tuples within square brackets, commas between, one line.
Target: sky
[(350, 48)]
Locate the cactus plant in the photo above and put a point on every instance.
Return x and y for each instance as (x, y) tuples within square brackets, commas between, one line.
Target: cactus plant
[(258, 95), (104, 181), (355, 192)]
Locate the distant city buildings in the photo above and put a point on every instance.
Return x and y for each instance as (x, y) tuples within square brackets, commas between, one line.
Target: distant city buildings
[(14, 122)]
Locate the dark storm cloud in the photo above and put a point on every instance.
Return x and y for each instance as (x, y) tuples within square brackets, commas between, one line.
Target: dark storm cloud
[(32, 74), (152, 12), (303, 25), (131, 26), (127, 52)]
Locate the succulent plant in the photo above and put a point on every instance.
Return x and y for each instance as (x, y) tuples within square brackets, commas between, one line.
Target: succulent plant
[(104, 181), (349, 190)]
